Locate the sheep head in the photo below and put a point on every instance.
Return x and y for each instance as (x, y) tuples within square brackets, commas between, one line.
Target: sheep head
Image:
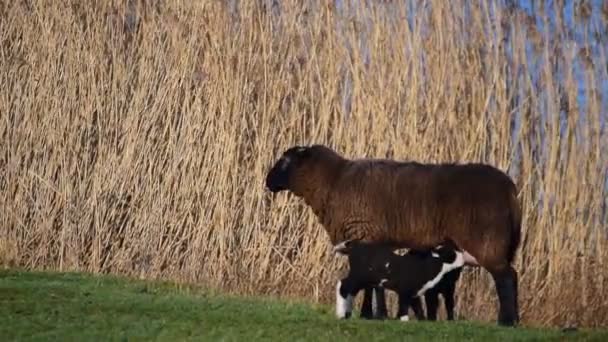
[(280, 177), (304, 170)]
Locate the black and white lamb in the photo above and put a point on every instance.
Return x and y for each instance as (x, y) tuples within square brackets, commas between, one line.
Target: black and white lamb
[(410, 275), (446, 287)]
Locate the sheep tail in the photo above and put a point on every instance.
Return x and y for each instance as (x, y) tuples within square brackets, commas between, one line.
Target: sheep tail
[(515, 221)]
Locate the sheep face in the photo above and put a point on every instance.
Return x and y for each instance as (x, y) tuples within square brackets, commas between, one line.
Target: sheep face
[(280, 175)]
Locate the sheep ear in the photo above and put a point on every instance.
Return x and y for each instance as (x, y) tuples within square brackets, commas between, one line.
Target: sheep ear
[(303, 151)]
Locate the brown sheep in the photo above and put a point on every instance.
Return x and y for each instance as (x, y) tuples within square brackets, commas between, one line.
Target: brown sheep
[(412, 205)]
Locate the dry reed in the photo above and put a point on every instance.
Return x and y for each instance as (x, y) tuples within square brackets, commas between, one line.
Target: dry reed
[(134, 139)]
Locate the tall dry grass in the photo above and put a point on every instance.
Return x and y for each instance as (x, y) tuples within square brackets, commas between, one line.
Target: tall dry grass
[(135, 137)]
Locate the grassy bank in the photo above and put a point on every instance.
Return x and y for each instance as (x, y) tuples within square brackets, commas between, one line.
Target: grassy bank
[(70, 306)]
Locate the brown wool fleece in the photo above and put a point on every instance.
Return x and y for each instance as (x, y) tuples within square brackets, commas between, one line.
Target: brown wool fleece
[(412, 205)]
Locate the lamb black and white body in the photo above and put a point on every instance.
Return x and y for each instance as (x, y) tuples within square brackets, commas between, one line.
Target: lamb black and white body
[(411, 275), (412, 205), (374, 302), (446, 287)]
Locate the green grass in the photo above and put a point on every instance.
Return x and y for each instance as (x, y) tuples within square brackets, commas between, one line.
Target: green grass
[(78, 307)]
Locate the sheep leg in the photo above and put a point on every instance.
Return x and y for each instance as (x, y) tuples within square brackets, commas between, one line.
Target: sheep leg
[(379, 303), (448, 300), (417, 307), (346, 290), (374, 303), (431, 299), (515, 285), (367, 310), (404, 306), (516, 292), (506, 288)]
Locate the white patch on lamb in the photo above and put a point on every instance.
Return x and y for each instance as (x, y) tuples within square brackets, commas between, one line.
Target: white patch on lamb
[(445, 268), (374, 303), (401, 251), (344, 306)]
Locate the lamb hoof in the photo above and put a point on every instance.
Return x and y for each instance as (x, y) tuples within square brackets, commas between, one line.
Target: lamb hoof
[(376, 318), (366, 315), (381, 317), (345, 315)]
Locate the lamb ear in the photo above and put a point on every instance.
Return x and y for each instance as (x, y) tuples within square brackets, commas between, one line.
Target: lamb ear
[(343, 247)]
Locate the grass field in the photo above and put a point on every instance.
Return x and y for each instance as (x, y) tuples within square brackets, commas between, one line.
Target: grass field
[(69, 306)]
